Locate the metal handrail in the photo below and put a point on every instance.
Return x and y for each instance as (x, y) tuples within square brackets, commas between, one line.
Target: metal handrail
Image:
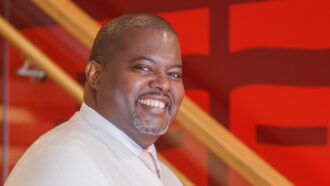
[(217, 138), (57, 74)]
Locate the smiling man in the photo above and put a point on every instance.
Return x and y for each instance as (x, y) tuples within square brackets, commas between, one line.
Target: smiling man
[(132, 94)]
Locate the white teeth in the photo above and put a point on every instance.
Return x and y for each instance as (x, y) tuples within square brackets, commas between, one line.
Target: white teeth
[(153, 103), (162, 105)]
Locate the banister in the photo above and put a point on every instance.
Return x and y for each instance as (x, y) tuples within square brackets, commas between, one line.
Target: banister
[(217, 138), (84, 28), (58, 75), (41, 60)]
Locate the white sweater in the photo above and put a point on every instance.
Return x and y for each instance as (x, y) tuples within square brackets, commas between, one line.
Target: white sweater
[(87, 150)]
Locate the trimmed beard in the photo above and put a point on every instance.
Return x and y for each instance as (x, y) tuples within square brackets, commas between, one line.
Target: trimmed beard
[(140, 126)]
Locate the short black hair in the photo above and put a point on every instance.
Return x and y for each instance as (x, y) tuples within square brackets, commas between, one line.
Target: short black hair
[(115, 29)]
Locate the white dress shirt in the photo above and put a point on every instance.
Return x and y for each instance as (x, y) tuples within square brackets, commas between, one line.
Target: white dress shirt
[(87, 150)]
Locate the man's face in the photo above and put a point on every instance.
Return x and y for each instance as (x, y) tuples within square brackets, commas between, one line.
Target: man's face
[(141, 86)]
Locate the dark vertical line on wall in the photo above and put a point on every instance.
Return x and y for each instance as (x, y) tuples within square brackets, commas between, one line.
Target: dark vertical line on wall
[(5, 150), (219, 59), (219, 21)]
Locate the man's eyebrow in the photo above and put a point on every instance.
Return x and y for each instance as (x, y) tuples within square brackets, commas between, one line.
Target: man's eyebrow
[(153, 61), (142, 58), (178, 66)]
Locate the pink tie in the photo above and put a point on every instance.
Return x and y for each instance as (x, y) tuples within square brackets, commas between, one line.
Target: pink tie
[(148, 160)]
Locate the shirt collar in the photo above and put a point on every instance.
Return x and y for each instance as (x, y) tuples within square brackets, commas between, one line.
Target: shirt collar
[(94, 117)]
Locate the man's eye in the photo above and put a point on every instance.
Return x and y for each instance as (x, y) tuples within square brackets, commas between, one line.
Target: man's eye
[(175, 75), (143, 68)]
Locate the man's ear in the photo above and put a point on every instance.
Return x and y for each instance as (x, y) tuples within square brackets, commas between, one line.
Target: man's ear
[(93, 74)]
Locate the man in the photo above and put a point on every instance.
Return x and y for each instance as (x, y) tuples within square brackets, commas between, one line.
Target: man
[(133, 92)]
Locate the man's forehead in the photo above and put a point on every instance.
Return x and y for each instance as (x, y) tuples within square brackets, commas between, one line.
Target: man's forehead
[(142, 42), (137, 32)]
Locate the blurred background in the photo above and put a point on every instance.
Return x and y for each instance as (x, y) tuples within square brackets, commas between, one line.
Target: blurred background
[(261, 68)]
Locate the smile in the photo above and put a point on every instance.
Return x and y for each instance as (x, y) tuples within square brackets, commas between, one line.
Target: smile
[(153, 103)]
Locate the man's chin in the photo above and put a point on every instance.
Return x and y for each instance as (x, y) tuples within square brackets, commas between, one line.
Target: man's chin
[(150, 130), (154, 128), (151, 124), (153, 132)]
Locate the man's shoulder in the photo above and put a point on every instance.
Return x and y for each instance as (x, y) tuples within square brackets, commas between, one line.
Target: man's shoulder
[(56, 164), (65, 134), (75, 135), (70, 149)]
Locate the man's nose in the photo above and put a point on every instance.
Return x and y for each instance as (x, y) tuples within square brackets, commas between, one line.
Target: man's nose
[(160, 81)]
